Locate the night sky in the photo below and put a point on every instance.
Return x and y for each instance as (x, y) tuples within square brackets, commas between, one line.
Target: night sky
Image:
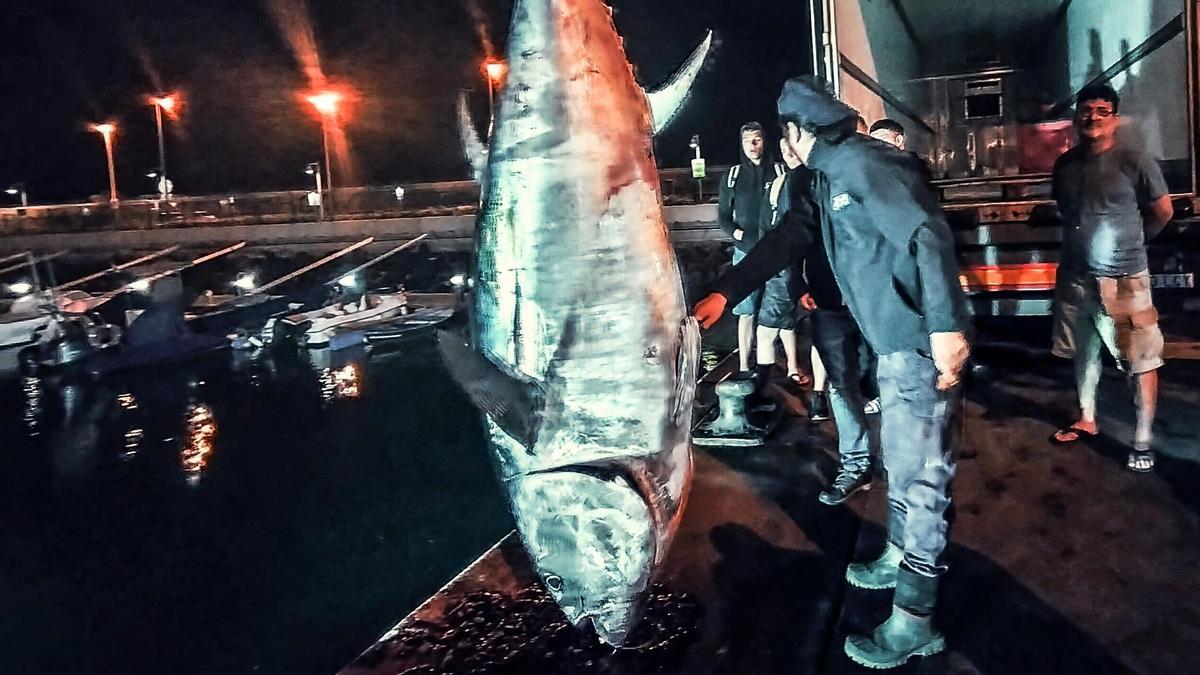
[(66, 63)]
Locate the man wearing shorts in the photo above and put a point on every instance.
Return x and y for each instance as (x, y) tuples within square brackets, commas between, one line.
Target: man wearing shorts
[(776, 316), (1113, 199), (742, 200)]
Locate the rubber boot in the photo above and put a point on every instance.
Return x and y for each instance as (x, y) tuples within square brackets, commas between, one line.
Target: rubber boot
[(908, 632), (877, 574)]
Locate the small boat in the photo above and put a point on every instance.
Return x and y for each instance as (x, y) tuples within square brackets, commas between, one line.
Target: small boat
[(68, 340), (318, 327), (29, 316), (25, 319), (220, 314), (407, 325), (155, 334)]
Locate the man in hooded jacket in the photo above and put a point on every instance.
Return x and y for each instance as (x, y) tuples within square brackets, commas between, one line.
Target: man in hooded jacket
[(892, 255), (742, 200)]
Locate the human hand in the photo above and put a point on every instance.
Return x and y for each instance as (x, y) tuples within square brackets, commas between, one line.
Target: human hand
[(950, 352), (710, 310), (807, 302)]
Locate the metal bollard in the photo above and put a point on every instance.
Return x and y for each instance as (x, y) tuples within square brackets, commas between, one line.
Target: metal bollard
[(731, 427)]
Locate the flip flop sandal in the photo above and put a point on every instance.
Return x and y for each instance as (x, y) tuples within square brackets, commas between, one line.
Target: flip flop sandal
[(800, 379), (1141, 460), (1080, 434)]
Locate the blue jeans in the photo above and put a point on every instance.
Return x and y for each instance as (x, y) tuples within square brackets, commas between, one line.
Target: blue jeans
[(839, 342), (916, 435)]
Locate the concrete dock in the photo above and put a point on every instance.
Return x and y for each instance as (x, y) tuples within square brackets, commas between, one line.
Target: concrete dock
[(1061, 560)]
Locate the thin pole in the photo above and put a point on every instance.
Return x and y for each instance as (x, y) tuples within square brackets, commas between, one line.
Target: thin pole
[(320, 194), (308, 268), (491, 98), (112, 170), (101, 299), (118, 268), (402, 247), (162, 150), (328, 165)]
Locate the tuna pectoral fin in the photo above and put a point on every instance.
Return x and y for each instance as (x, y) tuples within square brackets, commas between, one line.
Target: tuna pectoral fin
[(474, 148), (513, 402), (687, 371), (667, 100)]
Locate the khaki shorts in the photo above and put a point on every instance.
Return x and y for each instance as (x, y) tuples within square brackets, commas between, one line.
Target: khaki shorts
[(1118, 311)]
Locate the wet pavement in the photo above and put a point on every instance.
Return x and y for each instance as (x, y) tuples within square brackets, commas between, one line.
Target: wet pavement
[(1061, 560)]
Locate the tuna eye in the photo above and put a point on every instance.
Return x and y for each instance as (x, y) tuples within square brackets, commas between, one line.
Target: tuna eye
[(554, 583), (651, 353)]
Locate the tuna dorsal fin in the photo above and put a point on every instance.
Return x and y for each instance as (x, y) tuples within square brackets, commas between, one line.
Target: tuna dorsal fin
[(514, 402), (668, 100), (473, 147)]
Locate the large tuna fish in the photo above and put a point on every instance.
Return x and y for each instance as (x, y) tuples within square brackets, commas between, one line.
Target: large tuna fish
[(589, 357)]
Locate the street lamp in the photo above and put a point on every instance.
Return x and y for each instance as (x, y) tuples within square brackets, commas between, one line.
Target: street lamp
[(166, 103), (314, 170), (107, 129), (495, 70), (326, 103), (18, 189)]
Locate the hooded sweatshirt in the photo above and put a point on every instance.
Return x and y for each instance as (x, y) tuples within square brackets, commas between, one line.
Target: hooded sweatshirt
[(743, 198)]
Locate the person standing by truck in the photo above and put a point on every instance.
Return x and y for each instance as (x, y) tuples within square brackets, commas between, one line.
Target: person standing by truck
[(742, 200), (892, 254), (1113, 199)]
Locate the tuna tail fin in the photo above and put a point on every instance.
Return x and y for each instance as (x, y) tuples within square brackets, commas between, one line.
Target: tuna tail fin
[(667, 100), (474, 148), (514, 402), (687, 371)]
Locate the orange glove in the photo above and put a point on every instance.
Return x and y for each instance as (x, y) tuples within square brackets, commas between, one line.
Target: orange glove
[(807, 302), (710, 310)]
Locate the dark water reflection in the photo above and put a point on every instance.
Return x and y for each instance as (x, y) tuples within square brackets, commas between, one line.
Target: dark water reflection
[(239, 514)]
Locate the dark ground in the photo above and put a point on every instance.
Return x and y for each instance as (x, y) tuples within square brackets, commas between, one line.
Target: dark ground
[(1061, 560)]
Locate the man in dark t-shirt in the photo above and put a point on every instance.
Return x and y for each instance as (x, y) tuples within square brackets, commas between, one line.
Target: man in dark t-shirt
[(1113, 199)]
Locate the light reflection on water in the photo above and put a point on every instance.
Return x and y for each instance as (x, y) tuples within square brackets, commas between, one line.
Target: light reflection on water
[(341, 383), (31, 415), (198, 441)]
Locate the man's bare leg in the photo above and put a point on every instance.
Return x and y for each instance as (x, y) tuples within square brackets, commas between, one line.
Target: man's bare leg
[(765, 348), (788, 338), (820, 377), (1088, 367), (745, 341), (1145, 397)]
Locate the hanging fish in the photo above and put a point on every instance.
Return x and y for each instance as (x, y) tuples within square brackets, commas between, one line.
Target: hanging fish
[(578, 347)]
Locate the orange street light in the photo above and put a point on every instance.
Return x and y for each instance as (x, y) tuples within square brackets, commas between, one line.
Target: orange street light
[(107, 130), (166, 103), (326, 102), (495, 70)]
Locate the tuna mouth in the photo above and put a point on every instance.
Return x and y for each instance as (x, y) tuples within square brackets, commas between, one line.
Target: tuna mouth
[(592, 536)]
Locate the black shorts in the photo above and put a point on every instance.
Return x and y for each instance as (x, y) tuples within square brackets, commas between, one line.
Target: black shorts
[(778, 306)]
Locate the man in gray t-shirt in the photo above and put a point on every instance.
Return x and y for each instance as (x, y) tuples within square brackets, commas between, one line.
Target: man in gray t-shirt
[(1113, 199)]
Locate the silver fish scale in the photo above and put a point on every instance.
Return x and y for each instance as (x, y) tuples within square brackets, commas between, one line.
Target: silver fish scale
[(577, 286)]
